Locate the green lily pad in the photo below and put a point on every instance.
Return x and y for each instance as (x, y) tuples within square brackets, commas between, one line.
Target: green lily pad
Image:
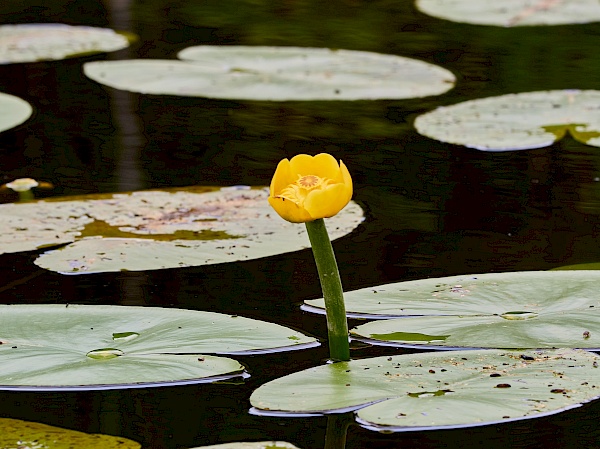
[(56, 346), (13, 111), (510, 13), (440, 389), (276, 74), (53, 41), (516, 121), (15, 433), (253, 445), (150, 230), (536, 309)]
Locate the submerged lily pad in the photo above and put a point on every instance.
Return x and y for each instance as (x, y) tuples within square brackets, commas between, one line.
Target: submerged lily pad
[(254, 445), (516, 121), (52, 41), (15, 433), (276, 74), (537, 309), (56, 346), (13, 111), (151, 230), (441, 389), (510, 13)]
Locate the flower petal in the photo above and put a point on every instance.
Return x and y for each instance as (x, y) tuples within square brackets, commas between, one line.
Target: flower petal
[(290, 211), (282, 177), (346, 179), (322, 165), (327, 202)]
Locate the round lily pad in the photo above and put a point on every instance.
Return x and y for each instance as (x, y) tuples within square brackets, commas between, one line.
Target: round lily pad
[(80, 346), (52, 41), (440, 389), (15, 433), (13, 111), (516, 121), (537, 309), (510, 13), (151, 230), (276, 74)]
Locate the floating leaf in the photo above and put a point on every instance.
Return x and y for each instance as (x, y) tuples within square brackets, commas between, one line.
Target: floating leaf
[(254, 445), (516, 121), (440, 389), (15, 433), (151, 230), (53, 346), (276, 74), (510, 13), (13, 111), (52, 41), (536, 309)]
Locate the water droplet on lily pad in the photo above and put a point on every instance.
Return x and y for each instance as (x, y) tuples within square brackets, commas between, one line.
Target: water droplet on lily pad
[(124, 336), (105, 353), (519, 315)]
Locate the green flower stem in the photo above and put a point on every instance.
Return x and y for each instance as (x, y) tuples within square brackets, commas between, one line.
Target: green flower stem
[(337, 324)]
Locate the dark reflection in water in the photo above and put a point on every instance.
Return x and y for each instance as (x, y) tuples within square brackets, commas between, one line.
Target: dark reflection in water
[(432, 209)]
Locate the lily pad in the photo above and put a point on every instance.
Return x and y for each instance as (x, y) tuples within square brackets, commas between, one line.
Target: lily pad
[(53, 41), (15, 433), (276, 74), (510, 13), (75, 346), (151, 230), (440, 389), (13, 111), (254, 445), (516, 121), (536, 309)]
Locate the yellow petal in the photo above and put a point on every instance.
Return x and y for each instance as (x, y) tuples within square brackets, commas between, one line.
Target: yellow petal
[(327, 202), (290, 211), (322, 165), (346, 179), (282, 177)]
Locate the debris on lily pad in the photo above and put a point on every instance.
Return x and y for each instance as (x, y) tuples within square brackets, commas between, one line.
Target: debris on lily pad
[(33, 42), (444, 389), (13, 111), (511, 13), (516, 121), (18, 434), (151, 230), (276, 74), (53, 347), (535, 309)]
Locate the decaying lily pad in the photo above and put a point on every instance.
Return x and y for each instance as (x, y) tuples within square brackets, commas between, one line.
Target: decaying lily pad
[(82, 346), (151, 230), (516, 121), (510, 13), (13, 111), (439, 389), (276, 74), (52, 41), (18, 434)]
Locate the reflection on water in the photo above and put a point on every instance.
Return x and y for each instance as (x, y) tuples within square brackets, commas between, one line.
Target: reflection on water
[(433, 209)]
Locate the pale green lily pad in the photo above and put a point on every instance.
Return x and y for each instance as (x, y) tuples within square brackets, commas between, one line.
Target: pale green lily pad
[(516, 121), (253, 445), (151, 230), (13, 111), (579, 266), (18, 434), (439, 389), (57, 346), (53, 41), (276, 74), (510, 13)]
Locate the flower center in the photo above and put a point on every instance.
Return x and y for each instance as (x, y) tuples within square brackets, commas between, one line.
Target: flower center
[(297, 191), (308, 181)]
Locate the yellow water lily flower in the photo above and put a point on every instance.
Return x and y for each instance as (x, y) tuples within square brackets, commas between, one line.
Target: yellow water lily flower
[(306, 188)]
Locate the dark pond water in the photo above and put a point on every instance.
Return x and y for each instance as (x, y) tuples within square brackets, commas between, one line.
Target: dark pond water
[(432, 209)]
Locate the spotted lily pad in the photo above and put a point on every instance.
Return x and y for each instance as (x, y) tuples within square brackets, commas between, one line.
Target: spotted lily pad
[(439, 389), (516, 121), (52, 41), (276, 74), (13, 111), (151, 230), (82, 346), (18, 434), (510, 13), (537, 309)]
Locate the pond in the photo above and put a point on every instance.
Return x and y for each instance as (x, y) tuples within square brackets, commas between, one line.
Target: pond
[(432, 209)]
